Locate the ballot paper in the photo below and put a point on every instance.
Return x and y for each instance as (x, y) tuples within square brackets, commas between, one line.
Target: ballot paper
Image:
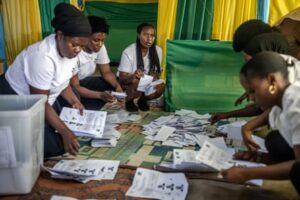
[(104, 142), (90, 124), (234, 130), (85, 170), (163, 133), (157, 185), (150, 89), (7, 149), (144, 82), (261, 143), (119, 95)]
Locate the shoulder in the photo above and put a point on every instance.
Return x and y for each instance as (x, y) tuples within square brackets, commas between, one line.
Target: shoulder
[(158, 49), (291, 97), (130, 49)]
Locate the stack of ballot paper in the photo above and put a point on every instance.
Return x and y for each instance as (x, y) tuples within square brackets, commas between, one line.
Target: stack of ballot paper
[(85, 170), (144, 82), (209, 158), (90, 123), (119, 95), (180, 129), (157, 185)]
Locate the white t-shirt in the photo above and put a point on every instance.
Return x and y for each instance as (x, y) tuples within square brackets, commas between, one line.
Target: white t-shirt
[(128, 60), (286, 120), (41, 67), (293, 71), (87, 62)]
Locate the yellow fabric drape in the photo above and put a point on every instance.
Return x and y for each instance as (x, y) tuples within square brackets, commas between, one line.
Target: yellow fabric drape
[(75, 3), (279, 8), (228, 15), (166, 19), (125, 1), (21, 24)]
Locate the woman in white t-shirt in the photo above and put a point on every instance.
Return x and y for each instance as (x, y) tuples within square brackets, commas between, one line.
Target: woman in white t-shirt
[(139, 58), (46, 67), (267, 76), (95, 90)]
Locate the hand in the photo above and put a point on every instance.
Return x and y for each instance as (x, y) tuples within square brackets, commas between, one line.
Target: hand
[(71, 144), (246, 155), (217, 117), (248, 140), (235, 174), (106, 96), (119, 89), (138, 73), (241, 99), (78, 106)]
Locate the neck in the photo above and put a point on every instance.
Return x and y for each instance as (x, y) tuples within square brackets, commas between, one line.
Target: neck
[(280, 95), (144, 50), (57, 47)]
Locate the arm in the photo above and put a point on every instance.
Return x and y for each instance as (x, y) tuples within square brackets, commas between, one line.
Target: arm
[(248, 111), (127, 78), (70, 141), (109, 76), (72, 99), (251, 125)]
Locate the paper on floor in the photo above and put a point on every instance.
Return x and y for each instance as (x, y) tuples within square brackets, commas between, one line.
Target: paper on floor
[(157, 185)]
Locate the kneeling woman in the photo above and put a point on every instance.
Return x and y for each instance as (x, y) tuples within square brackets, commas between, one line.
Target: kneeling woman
[(267, 75), (46, 67), (142, 57)]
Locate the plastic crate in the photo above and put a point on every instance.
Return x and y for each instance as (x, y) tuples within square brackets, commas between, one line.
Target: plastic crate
[(24, 115)]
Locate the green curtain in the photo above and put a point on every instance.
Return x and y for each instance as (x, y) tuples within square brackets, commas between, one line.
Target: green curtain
[(47, 14), (194, 20), (123, 19), (202, 76)]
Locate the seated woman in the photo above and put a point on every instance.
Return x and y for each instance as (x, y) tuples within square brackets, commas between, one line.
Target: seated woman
[(95, 91), (267, 75), (139, 58), (46, 67)]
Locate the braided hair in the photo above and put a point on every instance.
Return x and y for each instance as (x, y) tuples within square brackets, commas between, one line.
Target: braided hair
[(153, 56)]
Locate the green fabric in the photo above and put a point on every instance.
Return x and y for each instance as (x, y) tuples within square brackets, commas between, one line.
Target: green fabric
[(47, 14), (202, 76), (194, 20), (123, 19)]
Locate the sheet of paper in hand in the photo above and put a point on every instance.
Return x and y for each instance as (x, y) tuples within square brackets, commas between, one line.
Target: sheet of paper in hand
[(144, 82), (157, 185), (90, 124)]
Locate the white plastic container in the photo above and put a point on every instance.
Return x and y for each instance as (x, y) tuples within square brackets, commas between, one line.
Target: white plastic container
[(25, 116)]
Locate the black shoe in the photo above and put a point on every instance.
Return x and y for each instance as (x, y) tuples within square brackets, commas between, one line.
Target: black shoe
[(131, 107), (143, 105)]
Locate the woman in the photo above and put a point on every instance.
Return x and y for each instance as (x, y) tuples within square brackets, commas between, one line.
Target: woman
[(95, 91), (46, 68), (267, 75), (139, 58)]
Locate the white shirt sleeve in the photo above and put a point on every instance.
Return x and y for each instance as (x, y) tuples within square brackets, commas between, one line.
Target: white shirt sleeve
[(292, 116), (39, 71), (126, 64), (102, 56), (159, 53)]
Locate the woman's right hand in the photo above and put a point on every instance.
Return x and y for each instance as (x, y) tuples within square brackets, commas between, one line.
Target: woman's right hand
[(138, 73), (215, 117), (107, 97), (71, 144), (248, 140)]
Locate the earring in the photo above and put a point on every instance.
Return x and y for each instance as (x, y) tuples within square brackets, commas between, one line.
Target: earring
[(272, 89)]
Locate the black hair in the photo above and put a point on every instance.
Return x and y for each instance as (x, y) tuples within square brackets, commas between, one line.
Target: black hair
[(153, 56), (243, 71), (70, 21), (248, 30), (265, 63), (98, 24)]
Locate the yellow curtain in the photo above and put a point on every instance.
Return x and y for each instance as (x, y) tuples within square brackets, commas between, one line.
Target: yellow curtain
[(22, 25), (279, 8), (166, 19), (125, 1), (228, 15)]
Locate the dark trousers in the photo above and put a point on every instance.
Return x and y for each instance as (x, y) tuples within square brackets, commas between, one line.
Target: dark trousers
[(96, 84), (278, 148), (53, 144)]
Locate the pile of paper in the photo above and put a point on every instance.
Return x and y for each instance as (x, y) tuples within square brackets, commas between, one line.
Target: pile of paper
[(180, 129), (147, 85), (209, 158), (85, 170), (111, 135), (90, 123), (157, 185)]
